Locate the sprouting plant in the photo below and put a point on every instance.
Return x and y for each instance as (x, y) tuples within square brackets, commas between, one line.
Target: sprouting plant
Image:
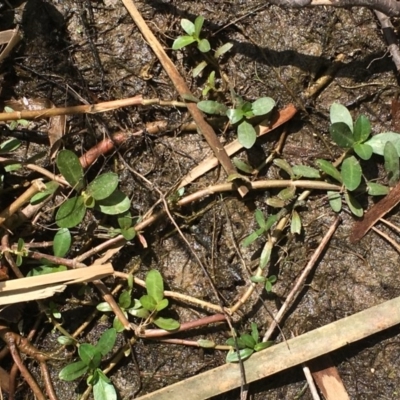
[(61, 245), (126, 226), (247, 343), (9, 146), (89, 363), (193, 31), (239, 115), (268, 282), (101, 193), (14, 124), (147, 307)]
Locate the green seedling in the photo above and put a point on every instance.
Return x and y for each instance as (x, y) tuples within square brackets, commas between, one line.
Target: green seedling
[(14, 124), (89, 364), (101, 194), (240, 114), (193, 31), (61, 245), (126, 227), (8, 146), (247, 344), (147, 307), (268, 282)]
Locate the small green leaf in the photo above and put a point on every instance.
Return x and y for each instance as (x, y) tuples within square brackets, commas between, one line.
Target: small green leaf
[(285, 166), (251, 238), (242, 166), (263, 106), (103, 390), (248, 340), (198, 68), (73, 371), (124, 299), (259, 216), (335, 201), (270, 221), (306, 172), (246, 134), (118, 325), (162, 304), (364, 151), (182, 41), (89, 355), (46, 269), (155, 285), (268, 286), (206, 344), (392, 166), (211, 107), (19, 260), (198, 24), (129, 233), (329, 169), (376, 189), (125, 220), (351, 173), (62, 242), (102, 186), (139, 313), (258, 279), (378, 142), (342, 135), (254, 332), (104, 307), (263, 345), (235, 115), (233, 356), (51, 187), (223, 49), (295, 226), (9, 145), (275, 202), (204, 46), (65, 340), (362, 129), (115, 204), (20, 245), (71, 212), (265, 255), (168, 324), (148, 302), (106, 341), (287, 193), (354, 205), (340, 114), (70, 168), (188, 26)]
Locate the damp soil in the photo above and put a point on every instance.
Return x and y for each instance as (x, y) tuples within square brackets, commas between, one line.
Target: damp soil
[(81, 51)]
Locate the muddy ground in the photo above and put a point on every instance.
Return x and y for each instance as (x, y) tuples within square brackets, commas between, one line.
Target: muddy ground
[(75, 51)]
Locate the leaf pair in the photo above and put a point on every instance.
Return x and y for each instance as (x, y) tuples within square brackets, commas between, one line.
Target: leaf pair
[(247, 134), (349, 135), (247, 344), (193, 31), (101, 193)]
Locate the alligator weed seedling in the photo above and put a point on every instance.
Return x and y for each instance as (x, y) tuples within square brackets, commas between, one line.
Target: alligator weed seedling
[(247, 344), (240, 114), (147, 307), (89, 364), (101, 194), (193, 31)]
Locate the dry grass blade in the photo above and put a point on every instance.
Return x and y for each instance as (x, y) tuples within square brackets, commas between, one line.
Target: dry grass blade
[(39, 287), (10, 38), (286, 354)]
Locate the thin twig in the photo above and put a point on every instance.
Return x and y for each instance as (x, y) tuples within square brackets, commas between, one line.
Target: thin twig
[(302, 278)]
